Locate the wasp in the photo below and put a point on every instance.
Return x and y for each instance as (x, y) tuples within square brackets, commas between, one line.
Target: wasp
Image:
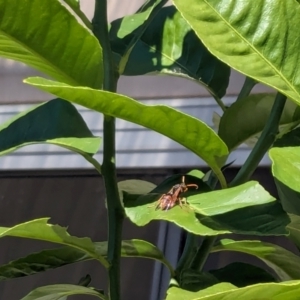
[(172, 197)]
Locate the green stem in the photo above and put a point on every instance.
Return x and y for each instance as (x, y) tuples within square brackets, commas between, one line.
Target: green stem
[(114, 206), (203, 253), (248, 85), (264, 142), (187, 253), (100, 30)]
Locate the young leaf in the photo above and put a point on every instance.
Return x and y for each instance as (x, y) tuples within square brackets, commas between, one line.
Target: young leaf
[(55, 258), (184, 129), (246, 209), (241, 274), (59, 291), (55, 122), (238, 124), (258, 39), (226, 291), (39, 229), (169, 46), (285, 263), (65, 50)]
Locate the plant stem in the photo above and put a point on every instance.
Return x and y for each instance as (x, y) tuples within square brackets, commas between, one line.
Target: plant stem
[(187, 253), (248, 85), (264, 142), (203, 253), (114, 206)]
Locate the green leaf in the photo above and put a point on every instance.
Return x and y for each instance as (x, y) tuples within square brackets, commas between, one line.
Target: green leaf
[(144, 16), (134, 186), (257, 38), (241, 274), (290, 139), (59, 291), (75, 6), (39, 229), (169, 46), (285, 169), (238, 124), (285, 166), (285, 263), (66, 51), (192, 280), (55, 258), (294, 229), (243, 209), (175, 293), (55, 122), (225, 291), (184, 129)]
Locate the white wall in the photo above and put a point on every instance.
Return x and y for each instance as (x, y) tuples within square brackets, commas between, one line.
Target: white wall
[(137, 147)]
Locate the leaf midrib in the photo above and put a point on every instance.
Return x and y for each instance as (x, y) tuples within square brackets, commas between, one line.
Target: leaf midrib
[(39, 57), (251, 46)]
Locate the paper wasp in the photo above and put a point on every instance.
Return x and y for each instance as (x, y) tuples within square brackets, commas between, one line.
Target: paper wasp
[(172, 197)]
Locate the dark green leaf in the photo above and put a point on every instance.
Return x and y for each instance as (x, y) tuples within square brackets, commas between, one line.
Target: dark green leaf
[(52, 41), (245, 119), (55, 258), (290, 139), (257, 38), (193, 281), (225, 291), (60, 291), (285, 263), (244, 209), (169, 46), (241, 274), (184, 129), (55, 122), (294, 229)]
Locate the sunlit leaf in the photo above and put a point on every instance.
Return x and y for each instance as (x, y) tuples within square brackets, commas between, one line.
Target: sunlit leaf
[(257, 38), (243, 209), (60, 291), (169, 46), (39, 229), (192, 133), (52, 41), (226, 291), (285, 169)]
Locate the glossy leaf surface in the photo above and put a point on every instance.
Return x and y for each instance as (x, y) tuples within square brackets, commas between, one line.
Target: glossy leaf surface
[(285, 263), (169, 46), (244, 209), (182, 128), (55, 122), (39, 229), (52, 41), (245, 119), (257, 38), (226, 291), (60, 291), (55, 258)]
